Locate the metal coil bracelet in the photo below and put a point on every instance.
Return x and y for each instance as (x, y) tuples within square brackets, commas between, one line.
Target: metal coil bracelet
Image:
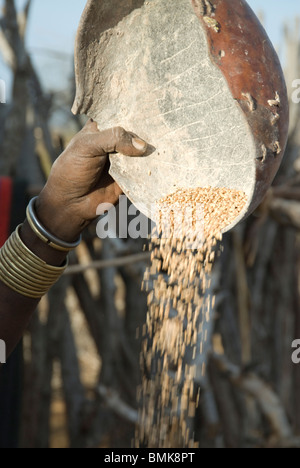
[(45, 235), (25, 273)]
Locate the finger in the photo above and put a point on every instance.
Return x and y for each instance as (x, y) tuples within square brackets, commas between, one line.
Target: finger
[(120, 141)]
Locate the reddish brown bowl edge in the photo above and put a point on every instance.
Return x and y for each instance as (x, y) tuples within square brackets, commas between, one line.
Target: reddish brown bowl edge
[(241, 49)]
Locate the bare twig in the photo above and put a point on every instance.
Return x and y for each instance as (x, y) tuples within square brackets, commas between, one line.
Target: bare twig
[(73, 388), (113, 400), (10, 27), (23, 19), (288, 193), (269, 403), (286, 212), (243, 298), (112, 263)]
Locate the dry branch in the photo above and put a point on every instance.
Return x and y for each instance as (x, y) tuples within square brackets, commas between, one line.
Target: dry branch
[(111, 263), (286, 212), (23, 19), (269, 403), (12, 37), (113, 400), (243, 297)]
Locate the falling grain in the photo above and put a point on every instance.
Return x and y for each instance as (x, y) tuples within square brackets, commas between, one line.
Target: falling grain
[(190, 229)]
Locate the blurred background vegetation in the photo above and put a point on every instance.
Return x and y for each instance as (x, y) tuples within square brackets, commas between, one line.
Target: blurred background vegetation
[(72, 382)]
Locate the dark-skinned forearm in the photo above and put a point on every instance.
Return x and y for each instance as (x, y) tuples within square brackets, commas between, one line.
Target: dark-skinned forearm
[(79, 182), (16, 310)]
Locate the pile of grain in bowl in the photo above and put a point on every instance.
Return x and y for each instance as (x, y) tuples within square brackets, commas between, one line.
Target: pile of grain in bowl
[(191, 222)]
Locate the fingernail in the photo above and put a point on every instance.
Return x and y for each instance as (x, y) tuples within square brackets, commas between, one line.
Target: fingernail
[(139, 144)]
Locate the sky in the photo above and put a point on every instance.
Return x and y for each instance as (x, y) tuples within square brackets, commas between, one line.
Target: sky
[(53, 24)]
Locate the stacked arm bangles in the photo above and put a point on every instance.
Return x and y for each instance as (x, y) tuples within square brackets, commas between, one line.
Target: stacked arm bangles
[(24, 272)]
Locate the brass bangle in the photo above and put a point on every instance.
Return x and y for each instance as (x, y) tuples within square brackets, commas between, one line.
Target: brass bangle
[(11, 277), (23, 264), (22, 255), (24, 272), (19, 277), (22, 291), (34, 266), (23, 248)]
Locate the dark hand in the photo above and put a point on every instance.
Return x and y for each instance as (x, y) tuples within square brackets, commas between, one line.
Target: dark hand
[(80, 181)]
